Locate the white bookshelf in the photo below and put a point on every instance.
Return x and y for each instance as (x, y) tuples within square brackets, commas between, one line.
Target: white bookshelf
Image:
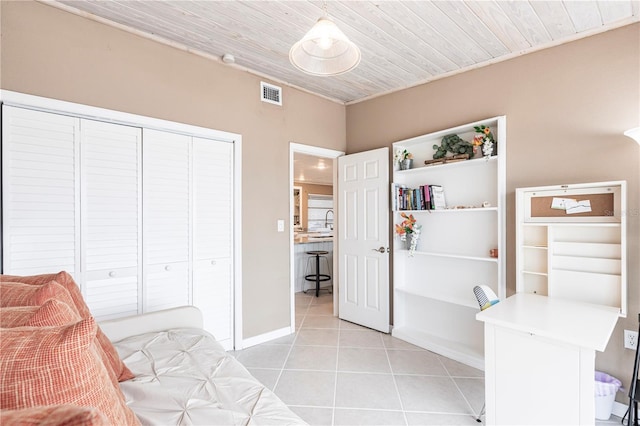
[(434, 304), (579, 257)]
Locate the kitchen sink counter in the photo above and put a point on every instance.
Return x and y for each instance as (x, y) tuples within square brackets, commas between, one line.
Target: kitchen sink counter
[(307, 240)]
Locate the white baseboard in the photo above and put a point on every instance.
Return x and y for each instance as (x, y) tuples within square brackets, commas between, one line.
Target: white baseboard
[(266, 337), (620, 409)]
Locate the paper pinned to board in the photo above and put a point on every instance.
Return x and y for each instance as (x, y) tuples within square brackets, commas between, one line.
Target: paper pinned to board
[(573, 207), (561, 203)]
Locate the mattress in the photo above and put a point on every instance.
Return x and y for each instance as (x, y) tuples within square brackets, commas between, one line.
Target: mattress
[(184, 377)]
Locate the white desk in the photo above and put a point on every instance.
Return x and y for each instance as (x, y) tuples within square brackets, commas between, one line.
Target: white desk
[(540, 359)]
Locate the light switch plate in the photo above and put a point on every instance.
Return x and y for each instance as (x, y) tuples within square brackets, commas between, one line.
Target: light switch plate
[(280, 225)]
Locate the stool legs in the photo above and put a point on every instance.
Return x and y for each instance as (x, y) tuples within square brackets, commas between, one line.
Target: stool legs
[(317, 277)]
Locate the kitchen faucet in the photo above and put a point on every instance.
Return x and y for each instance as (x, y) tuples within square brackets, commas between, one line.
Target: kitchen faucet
[(326, 215)]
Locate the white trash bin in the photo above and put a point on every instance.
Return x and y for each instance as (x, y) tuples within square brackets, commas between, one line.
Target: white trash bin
[(606, 388)]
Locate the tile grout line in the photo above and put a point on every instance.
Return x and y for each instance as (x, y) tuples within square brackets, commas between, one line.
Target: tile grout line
[(290, 348), (335, 384), (473, 413), (395, 383)]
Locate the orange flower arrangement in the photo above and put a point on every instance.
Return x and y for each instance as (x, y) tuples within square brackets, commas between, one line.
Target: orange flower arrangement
[(408, 226)]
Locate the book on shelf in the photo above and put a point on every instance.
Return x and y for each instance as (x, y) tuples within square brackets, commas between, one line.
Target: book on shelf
[(438, 200), (424, 197)]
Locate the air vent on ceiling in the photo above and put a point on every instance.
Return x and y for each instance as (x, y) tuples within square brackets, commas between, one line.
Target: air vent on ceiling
[(270, 93)]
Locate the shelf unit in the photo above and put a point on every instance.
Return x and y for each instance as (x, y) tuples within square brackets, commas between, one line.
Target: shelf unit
[(434, 304), (579, 257)]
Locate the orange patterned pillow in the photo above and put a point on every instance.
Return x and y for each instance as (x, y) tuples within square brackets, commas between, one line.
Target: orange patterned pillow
[(58, 365), (109, 355), (18, 294), (63, 278), (53, 415), (52, 313)]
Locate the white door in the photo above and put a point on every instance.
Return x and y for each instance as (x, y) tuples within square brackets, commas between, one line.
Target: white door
[(111, 217), (166, 217), (213, 236), (363, 238), (40, 192)]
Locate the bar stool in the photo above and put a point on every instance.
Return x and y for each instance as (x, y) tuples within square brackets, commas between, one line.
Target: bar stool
[(317, 277)]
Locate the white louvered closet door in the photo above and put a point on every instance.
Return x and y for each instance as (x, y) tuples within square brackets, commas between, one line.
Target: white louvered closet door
[(111, 207), (40, 192), (166, 245), (212, 236)]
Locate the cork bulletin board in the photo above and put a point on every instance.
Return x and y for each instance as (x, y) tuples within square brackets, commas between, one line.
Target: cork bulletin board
[(601, 205), (580, 203)]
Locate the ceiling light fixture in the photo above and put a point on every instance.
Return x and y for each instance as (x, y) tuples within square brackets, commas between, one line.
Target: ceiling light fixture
[(324, 50), (633, 134)]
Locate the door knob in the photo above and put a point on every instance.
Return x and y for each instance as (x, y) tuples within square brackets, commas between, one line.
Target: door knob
[(381, 250)]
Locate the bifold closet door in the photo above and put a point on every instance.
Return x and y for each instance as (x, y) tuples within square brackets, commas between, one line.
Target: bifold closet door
[(166, 218), (40, 192), (213, 235), (111, 206)]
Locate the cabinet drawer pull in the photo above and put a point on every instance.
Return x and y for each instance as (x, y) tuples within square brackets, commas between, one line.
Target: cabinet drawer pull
[(167, 268), (112, 274), (213, 262)]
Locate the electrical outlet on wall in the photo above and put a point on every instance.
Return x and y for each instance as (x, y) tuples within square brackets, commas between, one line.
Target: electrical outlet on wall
[(630, 339)]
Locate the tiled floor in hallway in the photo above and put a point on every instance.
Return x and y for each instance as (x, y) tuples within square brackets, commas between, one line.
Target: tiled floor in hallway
[(332, 372)]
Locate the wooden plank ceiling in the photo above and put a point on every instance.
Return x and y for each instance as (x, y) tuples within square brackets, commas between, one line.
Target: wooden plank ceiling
[(403, 43)]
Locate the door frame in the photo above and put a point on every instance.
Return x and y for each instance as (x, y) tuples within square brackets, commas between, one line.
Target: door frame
[(318, 152)]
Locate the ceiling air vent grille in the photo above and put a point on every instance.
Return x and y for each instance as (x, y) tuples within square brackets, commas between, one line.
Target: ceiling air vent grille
[(270, 93)]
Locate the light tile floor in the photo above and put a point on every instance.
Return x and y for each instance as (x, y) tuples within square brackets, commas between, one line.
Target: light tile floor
[(332, 372)]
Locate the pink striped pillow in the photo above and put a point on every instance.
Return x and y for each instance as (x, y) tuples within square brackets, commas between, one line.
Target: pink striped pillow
[(18, 294), (52, 313), (58, 365), (110, 356), (53, 415)]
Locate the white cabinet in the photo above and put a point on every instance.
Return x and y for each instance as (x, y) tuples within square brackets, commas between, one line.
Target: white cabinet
[(434, 303), (540, 359), (111, 232), (575, 256)]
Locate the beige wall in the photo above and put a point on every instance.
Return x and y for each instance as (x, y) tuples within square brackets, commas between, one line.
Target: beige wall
[(566, 109), (52, 53)]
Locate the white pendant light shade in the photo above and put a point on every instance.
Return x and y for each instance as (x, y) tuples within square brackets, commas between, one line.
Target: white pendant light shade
[(633, 134), (324, 51)]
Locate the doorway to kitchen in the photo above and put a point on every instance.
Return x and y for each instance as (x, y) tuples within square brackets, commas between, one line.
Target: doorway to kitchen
[(313, 203)]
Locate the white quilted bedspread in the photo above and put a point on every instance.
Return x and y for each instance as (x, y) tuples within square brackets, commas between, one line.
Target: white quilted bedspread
[(184, 377)]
